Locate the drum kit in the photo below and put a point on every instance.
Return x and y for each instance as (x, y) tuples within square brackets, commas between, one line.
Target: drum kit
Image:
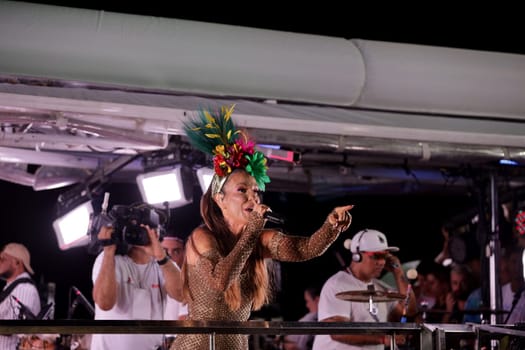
[(372, 296)]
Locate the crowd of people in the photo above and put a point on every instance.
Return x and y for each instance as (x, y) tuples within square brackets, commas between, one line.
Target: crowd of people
[(220, 271)]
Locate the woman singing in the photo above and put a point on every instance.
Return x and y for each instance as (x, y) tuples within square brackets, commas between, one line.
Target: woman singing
[(225, 274)]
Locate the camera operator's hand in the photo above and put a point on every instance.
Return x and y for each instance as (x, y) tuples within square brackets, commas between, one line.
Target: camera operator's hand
[(104, 235), (154, 249)]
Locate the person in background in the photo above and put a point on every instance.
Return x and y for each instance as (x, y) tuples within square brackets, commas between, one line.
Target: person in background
[(132, 286), (225, 272), (462, 283), (19, 298), (174, 247), (438, 284), (305, 341), (516, 282), (174, 310), (370, 256), (517, 306), (424, 296), (511, 281)]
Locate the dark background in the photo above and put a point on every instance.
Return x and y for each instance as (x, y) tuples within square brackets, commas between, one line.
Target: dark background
[(411, 221)]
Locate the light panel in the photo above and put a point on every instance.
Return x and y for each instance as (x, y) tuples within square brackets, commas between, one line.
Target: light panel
[(204, 175), (159, 187), (71, 229)]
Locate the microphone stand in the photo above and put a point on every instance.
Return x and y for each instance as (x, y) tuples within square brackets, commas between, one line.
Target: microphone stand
[(25, 313)]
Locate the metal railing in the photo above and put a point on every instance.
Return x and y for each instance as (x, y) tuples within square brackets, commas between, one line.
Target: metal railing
[(203, 327)]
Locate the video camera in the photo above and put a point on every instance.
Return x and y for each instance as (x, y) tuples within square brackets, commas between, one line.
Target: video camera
[(126, 222)]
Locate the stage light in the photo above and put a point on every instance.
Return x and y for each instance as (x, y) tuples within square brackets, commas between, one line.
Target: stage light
[(508, 162), (205, 175), (277, 153), (173, 186), (71, 229)]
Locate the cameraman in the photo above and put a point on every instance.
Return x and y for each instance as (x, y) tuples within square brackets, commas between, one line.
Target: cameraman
[(132, 287)]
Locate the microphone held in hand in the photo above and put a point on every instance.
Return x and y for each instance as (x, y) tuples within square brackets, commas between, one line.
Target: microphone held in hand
[(274, 217)]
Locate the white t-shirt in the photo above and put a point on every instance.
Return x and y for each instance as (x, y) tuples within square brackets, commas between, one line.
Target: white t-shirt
[(140, 296), (330, 305)]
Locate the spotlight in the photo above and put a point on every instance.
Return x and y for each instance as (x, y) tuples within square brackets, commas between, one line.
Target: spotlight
[(205, 176), (71, 229), (173, 186)]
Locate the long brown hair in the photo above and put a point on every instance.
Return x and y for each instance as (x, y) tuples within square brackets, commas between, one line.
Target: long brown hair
[(258, 287)]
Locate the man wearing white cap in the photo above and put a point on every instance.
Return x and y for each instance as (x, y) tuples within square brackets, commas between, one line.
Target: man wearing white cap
[(370, 256), (19, 298)]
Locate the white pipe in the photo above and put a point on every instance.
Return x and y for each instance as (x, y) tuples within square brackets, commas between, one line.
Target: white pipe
[(203, 58)]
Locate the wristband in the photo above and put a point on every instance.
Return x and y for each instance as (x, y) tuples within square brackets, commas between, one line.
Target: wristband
[(107, 242), (163, 261)]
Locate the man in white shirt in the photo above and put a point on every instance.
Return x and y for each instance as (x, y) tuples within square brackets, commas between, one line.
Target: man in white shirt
[(370, 255), (132, 287)]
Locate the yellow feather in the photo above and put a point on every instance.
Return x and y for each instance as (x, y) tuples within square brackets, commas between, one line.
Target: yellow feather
[(212, 136), (209, 117), (229, 112)]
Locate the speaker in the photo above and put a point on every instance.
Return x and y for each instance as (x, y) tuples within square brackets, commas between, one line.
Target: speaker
[(356, 256)]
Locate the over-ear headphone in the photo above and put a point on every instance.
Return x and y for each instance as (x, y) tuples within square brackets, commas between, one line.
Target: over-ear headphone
[(356, 256)]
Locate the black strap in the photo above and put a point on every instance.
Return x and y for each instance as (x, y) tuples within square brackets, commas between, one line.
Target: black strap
[(6, 292)]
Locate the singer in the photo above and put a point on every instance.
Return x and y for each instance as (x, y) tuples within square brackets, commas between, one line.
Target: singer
[(19, 298), (225, 274), (371, 254)]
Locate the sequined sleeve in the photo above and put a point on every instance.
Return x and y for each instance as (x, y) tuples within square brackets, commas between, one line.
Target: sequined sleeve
[(220, 270), (297, 248)]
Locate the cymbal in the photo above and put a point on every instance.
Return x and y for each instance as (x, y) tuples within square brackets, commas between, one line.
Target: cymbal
[(364, 296)]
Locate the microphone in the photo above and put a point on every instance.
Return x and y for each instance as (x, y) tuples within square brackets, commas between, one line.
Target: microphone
[(80, 298), (24, 310), (274, 217)]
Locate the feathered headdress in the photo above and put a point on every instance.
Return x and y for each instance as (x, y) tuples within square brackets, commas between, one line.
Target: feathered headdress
[(215, 133)]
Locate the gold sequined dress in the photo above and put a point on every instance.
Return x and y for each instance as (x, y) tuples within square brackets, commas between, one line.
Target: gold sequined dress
[(212, 270)]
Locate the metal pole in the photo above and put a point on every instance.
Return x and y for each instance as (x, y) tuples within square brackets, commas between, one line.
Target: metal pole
[(493, 255), (212, 341)]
